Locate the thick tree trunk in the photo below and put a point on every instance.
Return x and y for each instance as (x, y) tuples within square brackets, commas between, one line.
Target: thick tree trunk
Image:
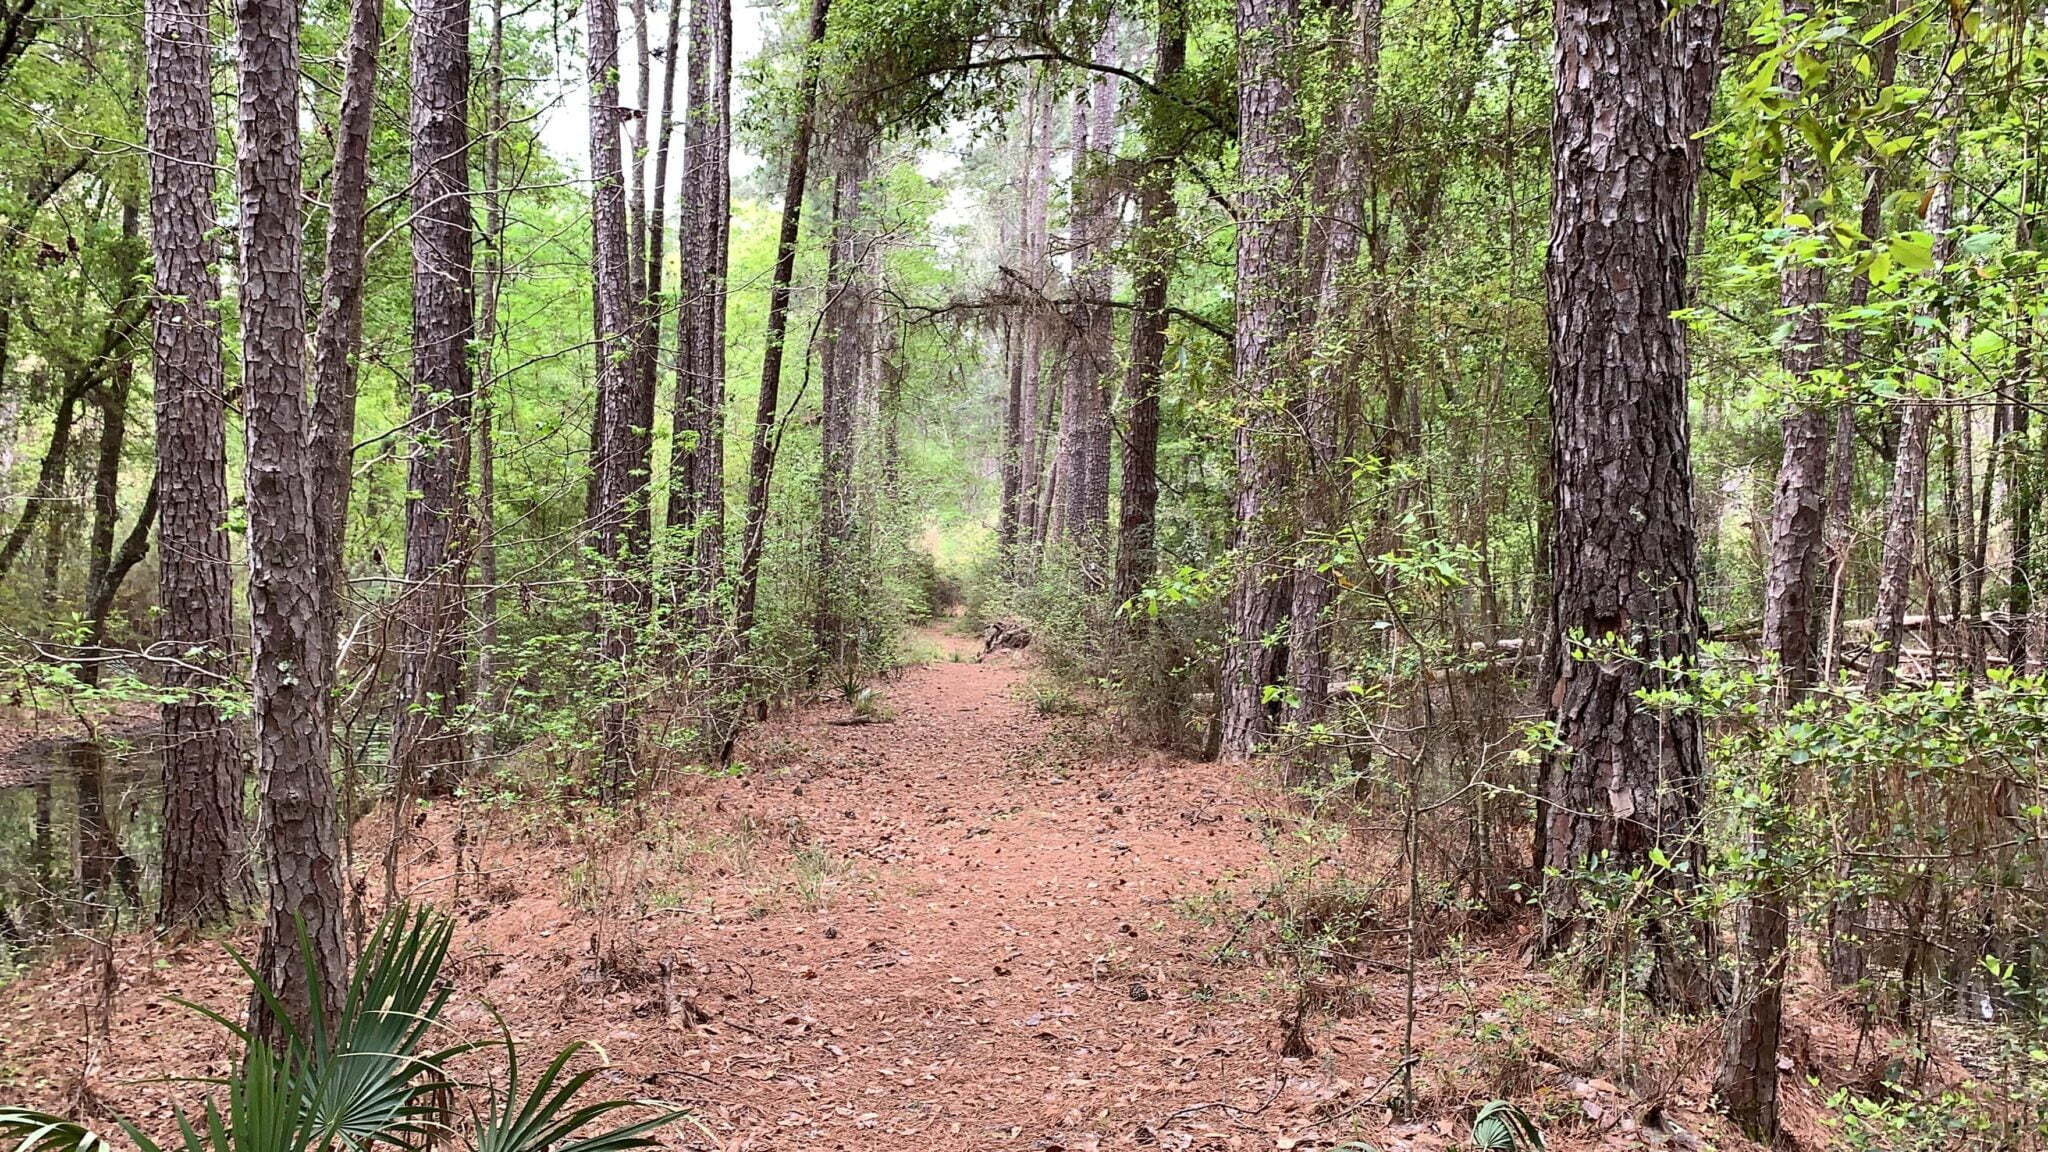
[(1798, 512), (619, 442), (304, 931), (1268, 297), (1084, 443), (767, 436), (1138, 496), (427, 743), (202, 768), (1634, 78), (844, 362), (338, 329), (696, 504)]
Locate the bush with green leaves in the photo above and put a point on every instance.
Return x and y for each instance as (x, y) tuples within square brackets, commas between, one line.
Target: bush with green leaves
[(367, 1072)]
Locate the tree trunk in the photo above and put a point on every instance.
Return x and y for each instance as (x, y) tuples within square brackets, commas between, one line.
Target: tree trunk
[(105, 568), (633, 130), (1034, 245), (1747, 1083), (1083, 516), (843, 363), (489, 335), (304, 931), (79, 383), (1798, 513), (654, 254), (338, 330), (202, 768), (1010, 516), (1634, 78), (697, 464), (1339, 191), (1841, 486), (619, 444), (767, 436), (1916, 422), (1011, 458), (427, 743), (1138, 496), (1268, 294)]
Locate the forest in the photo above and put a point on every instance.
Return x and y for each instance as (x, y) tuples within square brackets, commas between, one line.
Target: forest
[(1367, 575)]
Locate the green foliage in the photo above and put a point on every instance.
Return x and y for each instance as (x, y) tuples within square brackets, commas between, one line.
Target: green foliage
[(1904, 1118), (364, 1075), (1502, 1127)]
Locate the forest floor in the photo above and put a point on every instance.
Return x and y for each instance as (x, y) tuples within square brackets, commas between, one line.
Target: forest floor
[(969, 925)]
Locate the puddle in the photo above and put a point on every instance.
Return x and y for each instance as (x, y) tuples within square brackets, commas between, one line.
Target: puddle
[(79, 841)]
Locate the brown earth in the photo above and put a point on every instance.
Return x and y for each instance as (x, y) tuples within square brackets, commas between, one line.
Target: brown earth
[(968, 925)]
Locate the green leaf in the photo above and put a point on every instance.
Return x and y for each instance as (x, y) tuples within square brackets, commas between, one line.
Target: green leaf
[(1913, 251), (42, 1132)]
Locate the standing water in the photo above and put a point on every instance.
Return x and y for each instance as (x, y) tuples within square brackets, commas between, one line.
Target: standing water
[(78, 841)]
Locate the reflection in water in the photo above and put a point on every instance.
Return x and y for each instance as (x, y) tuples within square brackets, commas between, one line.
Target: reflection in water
[(78, 842)]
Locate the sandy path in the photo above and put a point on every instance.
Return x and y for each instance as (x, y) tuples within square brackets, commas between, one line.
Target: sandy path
[(961, 928), (968, 927), (1010, 968)]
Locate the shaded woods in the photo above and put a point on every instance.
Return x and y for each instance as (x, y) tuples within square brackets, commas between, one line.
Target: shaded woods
[(1567, 475)]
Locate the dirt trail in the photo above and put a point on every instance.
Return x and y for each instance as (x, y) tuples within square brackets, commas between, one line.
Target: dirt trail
[(969, 926), (1009, 968), (945, 930)]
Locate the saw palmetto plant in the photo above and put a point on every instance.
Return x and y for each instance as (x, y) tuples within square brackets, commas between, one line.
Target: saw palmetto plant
[(366, 1073)]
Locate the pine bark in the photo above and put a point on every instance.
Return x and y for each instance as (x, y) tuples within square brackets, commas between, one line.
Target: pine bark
[(619, 440), (338, 329), (844, 362), (427, 742), (1010, 515), (697, 465), (303, 933), (202, 766), (1268, 295), (1633, 83), (1841, 485), (1138, 492), (1034, 244), (1085, 433), (1747, 1082), (1798, 505)]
